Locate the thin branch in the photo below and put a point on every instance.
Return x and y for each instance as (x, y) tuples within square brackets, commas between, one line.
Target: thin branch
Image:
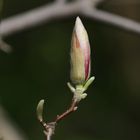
[(61, 1), (8, 129), (49, 128), (48, 137), (37, 16), (71, 109), (113, 20), (57, 10)]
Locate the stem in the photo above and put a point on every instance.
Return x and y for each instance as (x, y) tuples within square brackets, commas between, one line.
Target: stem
[(49, 134), (50, 127), (48, 137), (78, 94), (71, 109)]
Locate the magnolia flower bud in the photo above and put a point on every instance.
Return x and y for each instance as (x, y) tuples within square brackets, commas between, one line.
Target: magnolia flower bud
[(39, 110), (80, 54)]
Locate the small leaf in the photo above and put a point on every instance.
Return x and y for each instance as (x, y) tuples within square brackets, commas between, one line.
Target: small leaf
[(71, 87), (88, 83), (39, 110)]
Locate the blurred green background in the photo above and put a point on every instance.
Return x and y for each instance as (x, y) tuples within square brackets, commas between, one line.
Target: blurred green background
[(39, 68)]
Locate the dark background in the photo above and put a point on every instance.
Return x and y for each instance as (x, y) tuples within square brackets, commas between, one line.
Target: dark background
[(39, 68)]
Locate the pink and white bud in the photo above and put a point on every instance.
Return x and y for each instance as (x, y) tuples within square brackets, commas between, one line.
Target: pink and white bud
[(80, 54)]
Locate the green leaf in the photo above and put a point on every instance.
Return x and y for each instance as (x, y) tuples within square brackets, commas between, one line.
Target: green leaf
[(88, 83)]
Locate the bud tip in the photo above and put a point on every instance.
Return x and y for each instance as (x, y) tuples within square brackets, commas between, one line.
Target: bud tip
[(78, 23)]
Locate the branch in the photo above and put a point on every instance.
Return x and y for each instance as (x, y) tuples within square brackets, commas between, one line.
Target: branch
[(8, 129), (78, 95), (114, 20), (49, 128), (37, 16), (71, 109), (60, 9), (61, 1)]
